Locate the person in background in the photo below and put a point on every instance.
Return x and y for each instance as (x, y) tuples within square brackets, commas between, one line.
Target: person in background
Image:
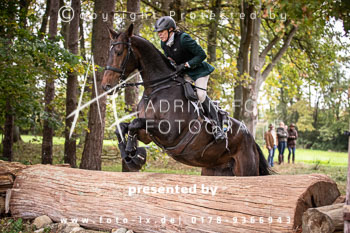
[(292, 138), (282, 142), (271, 142)]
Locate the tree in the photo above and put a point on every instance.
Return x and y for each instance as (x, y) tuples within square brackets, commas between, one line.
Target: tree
[(7, 31), (71, 91), (48, 129), (91, 158), (132, 93)]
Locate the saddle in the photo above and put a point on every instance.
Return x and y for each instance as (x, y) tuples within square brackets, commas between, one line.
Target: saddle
[(189, 90)]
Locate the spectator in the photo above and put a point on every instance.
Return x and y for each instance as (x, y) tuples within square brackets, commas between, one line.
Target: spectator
[(271, 142), (282, 142), (292, 138)]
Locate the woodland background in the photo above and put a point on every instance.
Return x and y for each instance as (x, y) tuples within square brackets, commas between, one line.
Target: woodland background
[(288, 63)]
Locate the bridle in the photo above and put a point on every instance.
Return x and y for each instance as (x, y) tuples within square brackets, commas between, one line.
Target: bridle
[(121, 70)]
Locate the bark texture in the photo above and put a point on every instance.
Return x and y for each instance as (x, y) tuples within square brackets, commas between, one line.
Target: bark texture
[(72, 84), (323, 219), (91, 158), (101, 197), (48, 130)]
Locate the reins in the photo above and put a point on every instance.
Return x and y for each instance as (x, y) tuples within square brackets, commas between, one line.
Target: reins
[(152, 83)]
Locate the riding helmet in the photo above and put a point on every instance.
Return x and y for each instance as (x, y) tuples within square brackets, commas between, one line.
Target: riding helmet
[(164, 23)]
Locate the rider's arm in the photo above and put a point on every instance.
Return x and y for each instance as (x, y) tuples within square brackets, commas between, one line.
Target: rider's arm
[(191, 45)]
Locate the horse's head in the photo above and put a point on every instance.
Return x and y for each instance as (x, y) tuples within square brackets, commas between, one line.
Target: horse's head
[(121, 58)]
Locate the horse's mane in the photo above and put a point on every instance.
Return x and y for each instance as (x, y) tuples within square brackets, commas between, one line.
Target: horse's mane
[(165, 59)]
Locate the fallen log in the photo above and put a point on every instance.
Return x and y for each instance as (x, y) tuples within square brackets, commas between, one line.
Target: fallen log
[(323, 219), (9, 171), (149, 202)]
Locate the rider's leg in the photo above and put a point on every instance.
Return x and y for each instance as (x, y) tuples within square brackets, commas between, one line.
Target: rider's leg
[(208, 106), (202, 82)]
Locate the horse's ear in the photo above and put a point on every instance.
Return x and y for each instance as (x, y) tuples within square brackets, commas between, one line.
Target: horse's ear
[(130, 29), (112, 34)]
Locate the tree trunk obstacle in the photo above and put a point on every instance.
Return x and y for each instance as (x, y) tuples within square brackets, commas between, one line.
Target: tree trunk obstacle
[(323, 219), (106, 200)]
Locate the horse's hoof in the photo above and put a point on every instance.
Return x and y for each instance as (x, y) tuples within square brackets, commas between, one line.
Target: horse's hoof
[(131, 151), (137, 160), (140, 156)]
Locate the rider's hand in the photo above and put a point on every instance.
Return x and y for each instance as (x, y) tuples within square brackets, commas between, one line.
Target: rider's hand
[(180, 67)]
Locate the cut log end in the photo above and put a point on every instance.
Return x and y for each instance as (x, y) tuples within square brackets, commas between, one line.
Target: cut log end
[(321, 193), (323, 219)]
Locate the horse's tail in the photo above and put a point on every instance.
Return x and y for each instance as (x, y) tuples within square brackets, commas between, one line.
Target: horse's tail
[(264, 168)]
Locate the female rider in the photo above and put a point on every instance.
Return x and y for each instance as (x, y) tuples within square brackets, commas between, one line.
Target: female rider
[(189, 57)]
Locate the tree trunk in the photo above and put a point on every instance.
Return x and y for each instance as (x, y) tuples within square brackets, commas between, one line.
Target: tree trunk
[(91, 158), (132, 93), (65, 193), (48, 131), (212, 36), (72, 84), (82, 38), (16, 134), (247, 92), (8, 132), (323, 219), (246, 26), (64, 27), (43, 27)]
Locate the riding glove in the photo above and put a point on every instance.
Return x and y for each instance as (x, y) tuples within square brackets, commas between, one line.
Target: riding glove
[(180, 67)]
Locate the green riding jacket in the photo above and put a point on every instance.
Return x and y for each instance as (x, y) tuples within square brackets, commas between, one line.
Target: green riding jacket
[(193, 52)]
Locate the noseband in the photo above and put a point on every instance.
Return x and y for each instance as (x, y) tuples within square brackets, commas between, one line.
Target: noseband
[(123, 67)]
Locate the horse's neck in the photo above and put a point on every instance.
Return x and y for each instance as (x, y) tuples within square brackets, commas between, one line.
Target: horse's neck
[(152, 64)]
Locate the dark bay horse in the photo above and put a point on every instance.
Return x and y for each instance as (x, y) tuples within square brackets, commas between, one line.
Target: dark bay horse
[(167, 118)]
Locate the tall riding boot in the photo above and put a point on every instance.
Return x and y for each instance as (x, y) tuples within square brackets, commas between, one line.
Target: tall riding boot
[(211, 112), (282, 159)]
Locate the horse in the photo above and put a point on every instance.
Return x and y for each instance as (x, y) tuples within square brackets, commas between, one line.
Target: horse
[(180, 130)]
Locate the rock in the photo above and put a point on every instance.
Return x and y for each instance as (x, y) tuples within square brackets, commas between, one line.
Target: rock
[(40, 230), (120, 230), (77, 229), (42, 221), (66, 227), (130, 231)]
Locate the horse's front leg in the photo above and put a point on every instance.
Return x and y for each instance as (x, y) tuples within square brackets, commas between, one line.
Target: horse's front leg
[(121, 131), (136, 156), (134, 126)]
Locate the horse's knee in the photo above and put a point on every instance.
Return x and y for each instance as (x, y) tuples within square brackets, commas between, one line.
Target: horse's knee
[(136, 124)]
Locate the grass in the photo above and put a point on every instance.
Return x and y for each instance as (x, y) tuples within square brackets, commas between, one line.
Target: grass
[(329, 158)]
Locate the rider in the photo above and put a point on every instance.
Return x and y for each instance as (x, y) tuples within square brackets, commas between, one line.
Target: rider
[(189, 57)]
